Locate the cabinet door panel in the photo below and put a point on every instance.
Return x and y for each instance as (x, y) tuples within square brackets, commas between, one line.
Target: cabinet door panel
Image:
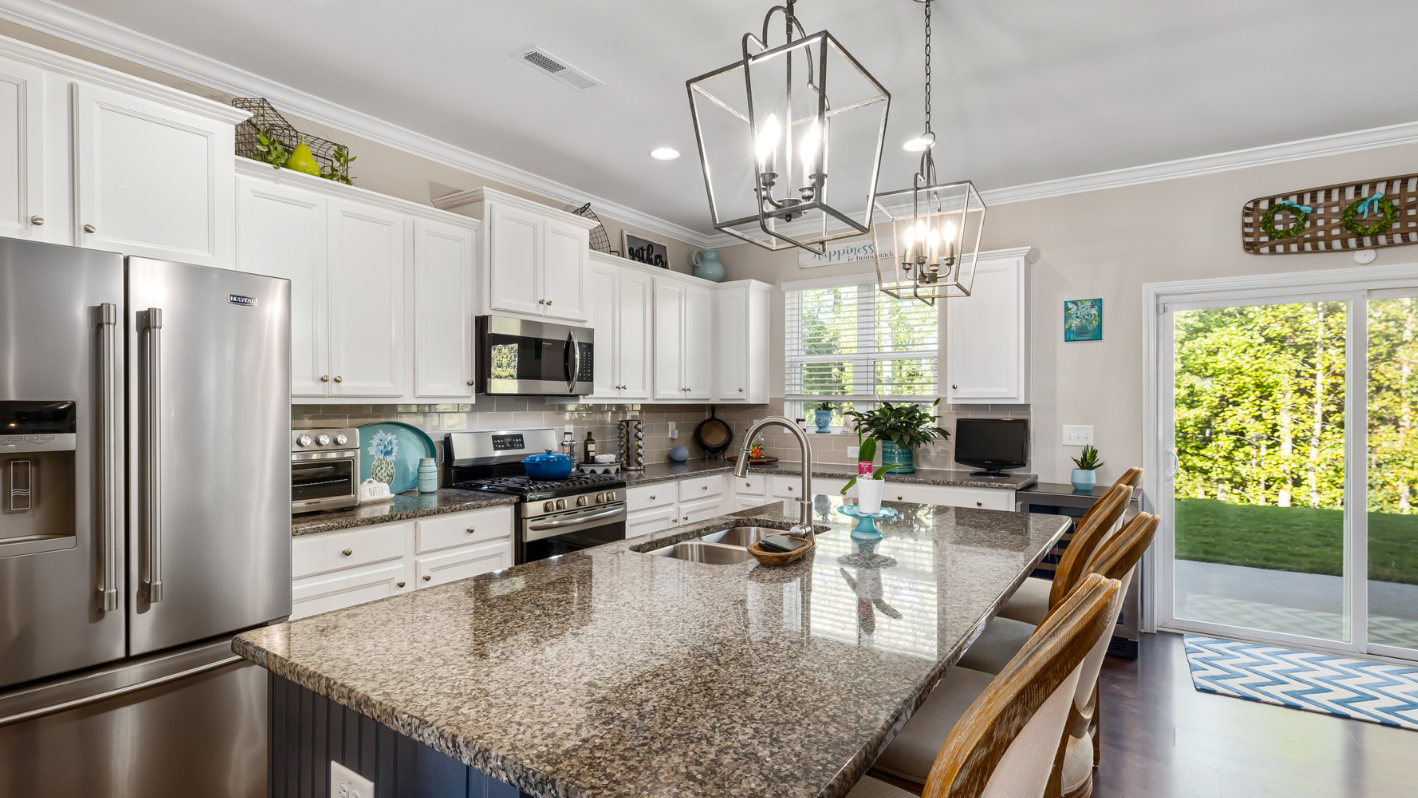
[(366, 301), (443, 310), (282, 233), (315, 596), (731, 346), (648, 521), (564, 275), (698, 333), (22, 151), (153, 180), (985, 338), (601, 297), (462, 564), (669, 339), (633, 334), (515, 252)]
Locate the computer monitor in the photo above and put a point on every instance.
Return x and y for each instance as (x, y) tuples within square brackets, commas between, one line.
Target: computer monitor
[(993, 444)]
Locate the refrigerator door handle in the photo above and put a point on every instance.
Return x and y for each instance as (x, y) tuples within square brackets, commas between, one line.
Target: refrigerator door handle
[(108, 457), (154, 452)]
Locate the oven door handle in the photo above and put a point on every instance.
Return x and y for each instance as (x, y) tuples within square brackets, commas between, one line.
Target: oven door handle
[(575, 520)]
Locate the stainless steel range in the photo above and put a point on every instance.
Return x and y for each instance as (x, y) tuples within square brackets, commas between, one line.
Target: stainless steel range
[(554, 517)]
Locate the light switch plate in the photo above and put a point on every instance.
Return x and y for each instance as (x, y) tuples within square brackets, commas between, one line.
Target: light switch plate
[(345, 783), (1077, 435)]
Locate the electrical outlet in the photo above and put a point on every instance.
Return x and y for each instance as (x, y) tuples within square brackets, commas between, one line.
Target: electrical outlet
[(345, 783), (852, 452), (1077, 435)]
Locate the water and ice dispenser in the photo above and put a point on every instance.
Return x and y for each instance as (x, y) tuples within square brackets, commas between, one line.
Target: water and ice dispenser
[(37, 442)]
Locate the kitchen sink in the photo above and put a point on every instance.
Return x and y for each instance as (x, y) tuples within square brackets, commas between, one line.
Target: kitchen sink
[(708, 553), (742, 535)]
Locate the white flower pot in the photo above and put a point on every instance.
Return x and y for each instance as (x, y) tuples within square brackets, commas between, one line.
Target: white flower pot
[(869, 494)]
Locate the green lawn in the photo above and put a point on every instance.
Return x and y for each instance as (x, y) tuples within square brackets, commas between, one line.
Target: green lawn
[(1293, 539)]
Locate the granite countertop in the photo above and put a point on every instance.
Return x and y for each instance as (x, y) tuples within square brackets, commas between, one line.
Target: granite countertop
[(411, 504), (663, 472), (613, 672)]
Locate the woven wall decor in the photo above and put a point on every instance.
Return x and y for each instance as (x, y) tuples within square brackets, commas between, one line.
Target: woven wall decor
[(1344, 216)]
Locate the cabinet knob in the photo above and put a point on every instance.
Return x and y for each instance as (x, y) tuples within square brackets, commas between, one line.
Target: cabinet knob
[(898, 498), (36, 220), (339, 378), (347, 552), (470, 382), (956, 387), (790, 489), (324, 377), (472, 530), (686, 518), (979, 504), (541, 301), (740, 390), (548, 303), (428, 577), (88, 228), (652, 498), (704, 487), (400, 583)]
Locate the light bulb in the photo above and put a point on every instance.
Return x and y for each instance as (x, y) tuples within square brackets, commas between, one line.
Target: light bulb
[(948, 233), (933, 239), (768, 140), (909, 238), (811, 139), (921, 230)]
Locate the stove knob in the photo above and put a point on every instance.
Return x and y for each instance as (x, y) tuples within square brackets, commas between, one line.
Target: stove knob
[(561, 504), (548, 507), (582, 501), (323, 440), (341, 440), (303, 440)]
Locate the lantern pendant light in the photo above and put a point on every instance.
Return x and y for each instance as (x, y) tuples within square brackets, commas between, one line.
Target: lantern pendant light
[(935, 228), (771, 133)]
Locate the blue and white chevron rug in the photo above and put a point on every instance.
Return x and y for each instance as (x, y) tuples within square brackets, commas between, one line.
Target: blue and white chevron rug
[(1376, 692)]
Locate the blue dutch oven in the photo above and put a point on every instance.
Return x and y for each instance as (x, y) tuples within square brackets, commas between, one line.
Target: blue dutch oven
[(548, 466)]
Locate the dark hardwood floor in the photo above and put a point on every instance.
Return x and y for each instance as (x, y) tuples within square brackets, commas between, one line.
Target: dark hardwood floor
[(1163, 739)]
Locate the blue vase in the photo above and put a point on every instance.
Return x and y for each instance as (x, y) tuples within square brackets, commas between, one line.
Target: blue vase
[(707, 265), (1084, 479), (903, 459), (824, 421)]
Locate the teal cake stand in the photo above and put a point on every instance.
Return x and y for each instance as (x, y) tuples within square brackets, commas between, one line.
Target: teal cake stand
[(866, 522)]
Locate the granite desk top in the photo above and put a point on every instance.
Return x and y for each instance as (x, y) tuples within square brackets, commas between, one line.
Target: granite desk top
[(411, 504), (612, 672), (663, 472)]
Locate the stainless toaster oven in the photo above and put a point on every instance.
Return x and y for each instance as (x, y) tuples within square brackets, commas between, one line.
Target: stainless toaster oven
[(324, 469)]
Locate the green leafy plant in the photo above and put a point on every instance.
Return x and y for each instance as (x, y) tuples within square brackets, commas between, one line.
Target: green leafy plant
[(1088, 461), (272, 150), (341, 170), (815, 406), (907, 426), (867, 452)]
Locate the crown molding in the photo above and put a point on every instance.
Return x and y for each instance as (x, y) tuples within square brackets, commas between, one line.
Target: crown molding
[(106, 37)]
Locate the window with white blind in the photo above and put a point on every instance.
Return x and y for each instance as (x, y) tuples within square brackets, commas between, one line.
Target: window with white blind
[(854, 346)]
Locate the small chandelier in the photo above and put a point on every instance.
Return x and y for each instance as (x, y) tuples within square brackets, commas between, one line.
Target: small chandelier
[(935, 240), (767, 129)]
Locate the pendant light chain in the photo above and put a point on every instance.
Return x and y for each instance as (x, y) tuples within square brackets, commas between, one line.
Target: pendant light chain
[(928, 68)]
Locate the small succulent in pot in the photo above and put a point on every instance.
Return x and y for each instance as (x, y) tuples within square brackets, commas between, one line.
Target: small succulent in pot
[(1085, 472)]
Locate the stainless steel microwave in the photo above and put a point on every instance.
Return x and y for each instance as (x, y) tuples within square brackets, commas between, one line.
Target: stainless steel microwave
[(517, 357)]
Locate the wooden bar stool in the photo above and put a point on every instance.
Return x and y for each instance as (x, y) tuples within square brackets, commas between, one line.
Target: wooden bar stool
[(1005, 743)]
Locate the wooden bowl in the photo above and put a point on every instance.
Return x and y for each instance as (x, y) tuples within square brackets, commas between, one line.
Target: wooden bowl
[(781, 557)]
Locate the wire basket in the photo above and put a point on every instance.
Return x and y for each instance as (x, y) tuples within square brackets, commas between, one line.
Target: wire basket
[(600, 239), (265, 118)]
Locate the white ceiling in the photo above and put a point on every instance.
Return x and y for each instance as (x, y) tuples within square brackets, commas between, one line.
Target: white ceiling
[(1025, 90)]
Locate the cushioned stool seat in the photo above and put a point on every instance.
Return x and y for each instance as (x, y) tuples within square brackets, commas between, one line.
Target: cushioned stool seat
[(914, 750), (869, 787), (1030, 603), (997, 645)]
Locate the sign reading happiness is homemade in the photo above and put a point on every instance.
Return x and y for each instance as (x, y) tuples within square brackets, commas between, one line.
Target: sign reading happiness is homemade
[(852, 250)]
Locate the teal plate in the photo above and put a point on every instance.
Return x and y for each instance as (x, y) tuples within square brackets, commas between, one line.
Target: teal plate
[(390, 451)]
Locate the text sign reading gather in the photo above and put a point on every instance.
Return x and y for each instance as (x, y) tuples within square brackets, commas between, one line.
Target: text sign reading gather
[(852, 250)]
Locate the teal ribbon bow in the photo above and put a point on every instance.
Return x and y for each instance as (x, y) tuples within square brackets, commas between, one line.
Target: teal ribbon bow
[(1304, 208), (1370, 203)]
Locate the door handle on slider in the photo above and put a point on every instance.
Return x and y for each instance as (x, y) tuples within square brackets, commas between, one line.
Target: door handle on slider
[(154, 471)]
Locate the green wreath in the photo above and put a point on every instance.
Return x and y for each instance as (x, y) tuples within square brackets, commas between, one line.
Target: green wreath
[(1385, 208), (1267, 222)]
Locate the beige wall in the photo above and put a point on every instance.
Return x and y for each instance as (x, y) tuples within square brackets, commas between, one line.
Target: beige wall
[(1108, 244), (380, 168)]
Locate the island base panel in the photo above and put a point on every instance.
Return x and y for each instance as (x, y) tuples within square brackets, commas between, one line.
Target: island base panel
[(307, 731)]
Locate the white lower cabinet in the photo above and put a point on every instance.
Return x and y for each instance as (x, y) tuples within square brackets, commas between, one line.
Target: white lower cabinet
[(340, 569), (653, 520)]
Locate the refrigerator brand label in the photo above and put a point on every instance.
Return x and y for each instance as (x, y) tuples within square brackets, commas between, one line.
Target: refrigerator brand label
[(238, 299)]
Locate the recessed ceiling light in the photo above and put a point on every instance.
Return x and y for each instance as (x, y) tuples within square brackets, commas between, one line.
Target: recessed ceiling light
[(918, 145), (664, 154)]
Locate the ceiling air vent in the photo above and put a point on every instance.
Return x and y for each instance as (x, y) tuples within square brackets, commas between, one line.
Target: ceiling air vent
[(553, 67)]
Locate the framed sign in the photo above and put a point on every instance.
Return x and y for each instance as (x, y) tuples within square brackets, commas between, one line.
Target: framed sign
[(851, 250), (643, 250)]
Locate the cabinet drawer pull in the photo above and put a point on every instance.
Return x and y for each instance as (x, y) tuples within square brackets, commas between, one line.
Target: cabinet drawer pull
[(898, 498), (652, 498), (686, 518), (347, 552), (472, 530), (979, 504), (37, 221), (428, 577), (400, 583), (704, 487), (88, 228)]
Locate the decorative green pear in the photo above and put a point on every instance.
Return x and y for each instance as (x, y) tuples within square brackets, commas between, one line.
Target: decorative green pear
[(302, 160)]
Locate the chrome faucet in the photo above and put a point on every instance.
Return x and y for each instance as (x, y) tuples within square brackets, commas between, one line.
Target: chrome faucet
[(804, 527)]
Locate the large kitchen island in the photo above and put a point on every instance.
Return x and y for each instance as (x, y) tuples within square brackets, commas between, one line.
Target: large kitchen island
[(617, 672)]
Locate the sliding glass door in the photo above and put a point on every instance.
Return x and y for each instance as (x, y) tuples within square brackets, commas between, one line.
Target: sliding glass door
[(1287, 431)]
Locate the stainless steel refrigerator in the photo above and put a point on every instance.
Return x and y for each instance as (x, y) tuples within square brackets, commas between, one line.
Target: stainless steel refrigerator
[(144, 519)]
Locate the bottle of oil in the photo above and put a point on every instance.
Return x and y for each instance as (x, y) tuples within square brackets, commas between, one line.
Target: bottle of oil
[(589, 447)]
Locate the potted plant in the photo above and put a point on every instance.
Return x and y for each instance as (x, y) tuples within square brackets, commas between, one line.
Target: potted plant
[(822, 414), (900, 428), (869, 485), (1085, 473)]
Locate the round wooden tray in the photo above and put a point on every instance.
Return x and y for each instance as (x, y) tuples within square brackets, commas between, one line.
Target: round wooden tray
[(781, 557), (764, 460)]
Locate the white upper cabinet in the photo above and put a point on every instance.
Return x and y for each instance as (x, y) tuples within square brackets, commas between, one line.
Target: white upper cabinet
[(443, 310), (22, 142), (987, 333), (534, 258), (741, 342), (152, 180), (698, 336), (367, 336), (669, 339), (602, 290), (619, 303), (282, 233)]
